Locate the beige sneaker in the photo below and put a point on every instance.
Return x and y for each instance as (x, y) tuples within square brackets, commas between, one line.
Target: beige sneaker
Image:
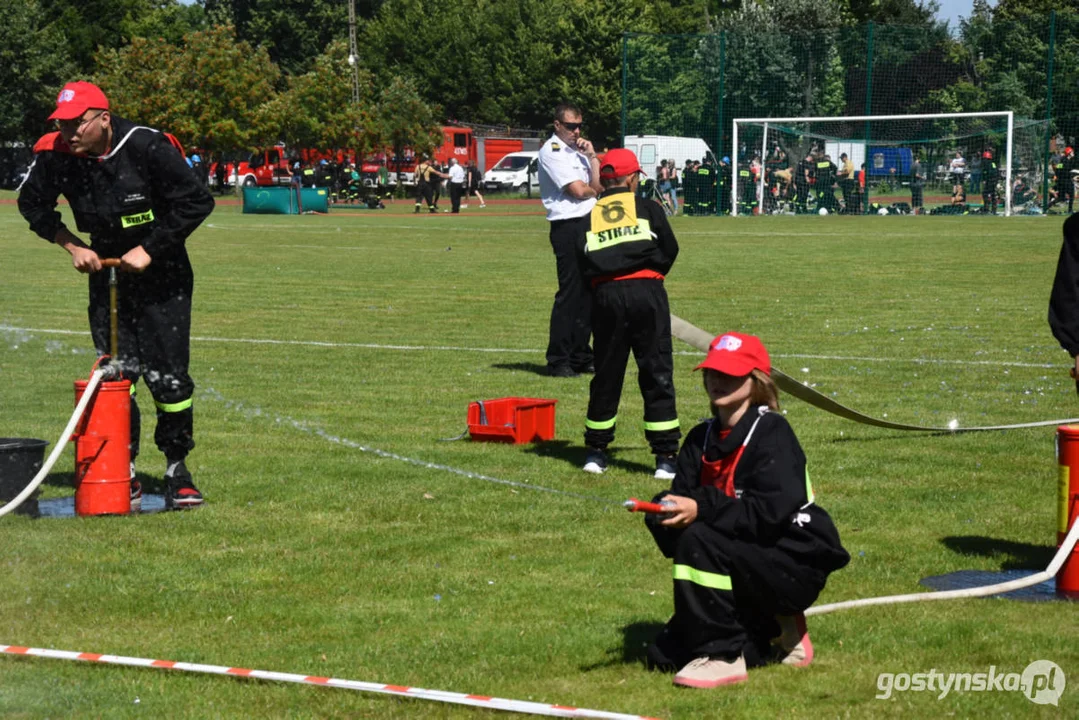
[(793, 646), (708, 673)]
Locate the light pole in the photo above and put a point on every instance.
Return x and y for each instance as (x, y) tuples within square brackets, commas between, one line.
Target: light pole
[(353, 54)]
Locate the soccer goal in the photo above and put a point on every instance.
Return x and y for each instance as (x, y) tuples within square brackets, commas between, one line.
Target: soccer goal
[(970, 163)]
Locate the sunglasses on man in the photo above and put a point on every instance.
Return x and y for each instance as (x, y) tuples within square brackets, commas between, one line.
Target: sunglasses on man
[(571, 126)]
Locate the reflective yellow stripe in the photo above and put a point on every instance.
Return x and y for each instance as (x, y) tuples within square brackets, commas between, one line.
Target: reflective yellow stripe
[(600, 424), (173, 407), (809, 488), (139, 219), (661, 425), (132, 391), (613, 236), (702, 578)]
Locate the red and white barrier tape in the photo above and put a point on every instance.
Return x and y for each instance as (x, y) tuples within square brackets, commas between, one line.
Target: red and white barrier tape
[(493, 703)]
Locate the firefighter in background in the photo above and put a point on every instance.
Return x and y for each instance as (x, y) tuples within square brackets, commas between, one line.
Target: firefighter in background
[(803, 178), (308, 178), (1065, 179), (706, 187), (723, 185), (625, 254), (690, 193), (825, 185), (130, 189), (426, 178), (748, 190), (990, 178)]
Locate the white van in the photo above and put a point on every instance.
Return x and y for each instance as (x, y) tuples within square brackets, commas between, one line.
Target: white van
[(513, 171), (651, 149)]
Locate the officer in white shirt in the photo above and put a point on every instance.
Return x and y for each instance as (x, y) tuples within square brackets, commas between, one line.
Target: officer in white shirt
[(457, 184), (569, 184)]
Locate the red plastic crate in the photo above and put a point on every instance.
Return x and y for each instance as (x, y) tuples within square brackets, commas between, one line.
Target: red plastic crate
[(512, 420)]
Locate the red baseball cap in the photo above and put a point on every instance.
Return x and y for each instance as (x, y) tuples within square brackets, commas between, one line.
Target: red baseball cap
[(619, 163), (737, 355), (78, 97)]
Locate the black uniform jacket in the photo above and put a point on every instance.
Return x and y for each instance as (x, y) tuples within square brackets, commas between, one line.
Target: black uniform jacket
[(772, 507), (649, 245), (141, 192), (1064, 299)]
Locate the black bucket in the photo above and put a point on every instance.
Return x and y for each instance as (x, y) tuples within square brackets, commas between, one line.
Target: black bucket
[(20, 460)]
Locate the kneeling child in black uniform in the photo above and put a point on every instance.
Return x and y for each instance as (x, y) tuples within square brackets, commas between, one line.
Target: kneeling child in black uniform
[(751, 549)]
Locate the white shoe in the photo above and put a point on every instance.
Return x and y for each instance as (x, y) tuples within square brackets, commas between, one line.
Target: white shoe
[(595, 462), (483, 205), (704, 672)]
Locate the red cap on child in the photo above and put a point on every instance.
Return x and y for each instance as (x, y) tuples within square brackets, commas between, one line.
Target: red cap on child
[(737, 355), (76, 98), (619, 163)]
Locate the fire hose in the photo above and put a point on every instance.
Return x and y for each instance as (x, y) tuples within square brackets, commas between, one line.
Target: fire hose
[(701, 340), (99, 375)]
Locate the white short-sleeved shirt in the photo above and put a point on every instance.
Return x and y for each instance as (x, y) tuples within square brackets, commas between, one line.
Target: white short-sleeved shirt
[(457, 174), (559, 165)]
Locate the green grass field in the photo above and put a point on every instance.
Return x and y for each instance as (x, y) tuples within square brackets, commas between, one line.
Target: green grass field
[(334, 353)]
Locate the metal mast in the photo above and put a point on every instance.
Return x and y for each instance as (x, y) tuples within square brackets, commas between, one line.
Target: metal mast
[(353, 52)]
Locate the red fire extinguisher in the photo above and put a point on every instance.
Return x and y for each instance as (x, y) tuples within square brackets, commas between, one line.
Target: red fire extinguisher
[(1067, 580)]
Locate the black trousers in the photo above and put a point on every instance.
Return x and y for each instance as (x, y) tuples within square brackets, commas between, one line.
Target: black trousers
[(632, 315), (801, 195), (154, 344), (424, 193), (1066, 190), (456, 191), (571, 314), (726, 595)]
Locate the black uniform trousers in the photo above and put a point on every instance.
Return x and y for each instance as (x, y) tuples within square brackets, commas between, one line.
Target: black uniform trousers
[(425, 193), (154, 343), (571, 314), (726, 595), (801, 196), (456, 191), (989, 196), (1066, 189), (632, 315)]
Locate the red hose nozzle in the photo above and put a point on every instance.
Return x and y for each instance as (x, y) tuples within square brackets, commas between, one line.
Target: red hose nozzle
[(635, 505)]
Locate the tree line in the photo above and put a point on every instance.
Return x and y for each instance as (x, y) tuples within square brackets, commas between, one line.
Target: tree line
[(232, 74)]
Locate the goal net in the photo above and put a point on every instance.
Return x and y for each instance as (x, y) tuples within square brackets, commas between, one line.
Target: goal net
[(958, 163)]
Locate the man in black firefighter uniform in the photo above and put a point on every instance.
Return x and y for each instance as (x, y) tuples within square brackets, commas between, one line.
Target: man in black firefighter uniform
[(131, 191), (826, 172), (1065, 184), (803, 178), (690, 194), (627, 251), (426, 181), (723, 185), (706, 187), (990, 178)]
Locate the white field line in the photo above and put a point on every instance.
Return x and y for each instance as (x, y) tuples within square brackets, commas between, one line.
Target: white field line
[(536, 351)]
